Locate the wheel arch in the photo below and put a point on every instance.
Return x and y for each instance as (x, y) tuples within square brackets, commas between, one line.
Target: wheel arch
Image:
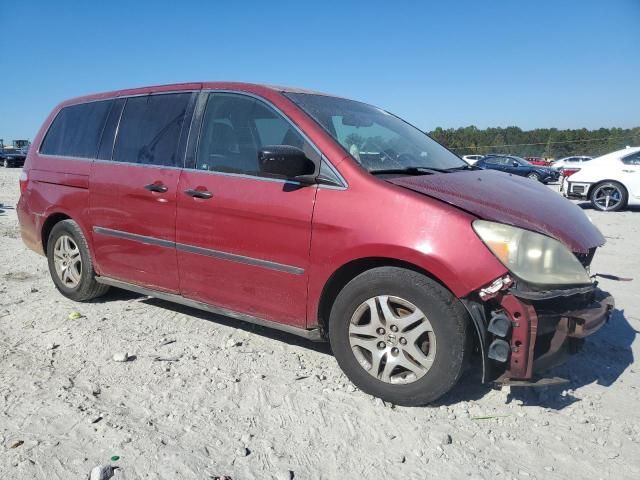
[(347, 272), (47, 226), (609, 180)]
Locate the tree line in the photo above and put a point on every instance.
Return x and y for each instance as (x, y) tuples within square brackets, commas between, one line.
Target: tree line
[(541, 142)]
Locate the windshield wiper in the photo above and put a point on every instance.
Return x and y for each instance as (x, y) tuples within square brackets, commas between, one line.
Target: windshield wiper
[(463, 167), (408, 171)]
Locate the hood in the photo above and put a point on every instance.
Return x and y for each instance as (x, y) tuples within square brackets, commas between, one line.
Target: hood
[(510, 199)]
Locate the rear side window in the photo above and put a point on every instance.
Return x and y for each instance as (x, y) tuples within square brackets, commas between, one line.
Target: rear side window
[(633, 159), (76, 130), (150, 129)]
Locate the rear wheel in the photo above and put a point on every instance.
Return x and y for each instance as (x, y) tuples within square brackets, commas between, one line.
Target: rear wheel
[(399, 335), (70, 263), (6, 163), (608, 196)]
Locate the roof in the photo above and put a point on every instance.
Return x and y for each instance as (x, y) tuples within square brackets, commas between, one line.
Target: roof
[(240, 86)]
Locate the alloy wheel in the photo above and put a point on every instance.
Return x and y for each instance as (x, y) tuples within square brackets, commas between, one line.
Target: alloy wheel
[(67, 261), (607, 197), (392, 339)]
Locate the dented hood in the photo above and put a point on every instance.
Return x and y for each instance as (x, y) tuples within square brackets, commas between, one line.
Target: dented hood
[(510, 199)]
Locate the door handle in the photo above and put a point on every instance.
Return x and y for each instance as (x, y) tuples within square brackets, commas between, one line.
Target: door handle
[(156, 187), (199, 194)]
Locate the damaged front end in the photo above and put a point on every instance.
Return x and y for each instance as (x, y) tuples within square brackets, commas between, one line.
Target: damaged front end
[(525, 331)]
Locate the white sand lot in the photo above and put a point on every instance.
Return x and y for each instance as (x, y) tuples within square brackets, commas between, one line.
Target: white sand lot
[(227, 398)]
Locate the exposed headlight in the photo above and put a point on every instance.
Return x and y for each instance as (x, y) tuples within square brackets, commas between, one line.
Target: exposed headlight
[(533, 257)]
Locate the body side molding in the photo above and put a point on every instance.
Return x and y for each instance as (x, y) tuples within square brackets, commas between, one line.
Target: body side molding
[(256, 262)]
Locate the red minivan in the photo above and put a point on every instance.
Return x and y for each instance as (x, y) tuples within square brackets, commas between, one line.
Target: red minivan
[(317, 215)]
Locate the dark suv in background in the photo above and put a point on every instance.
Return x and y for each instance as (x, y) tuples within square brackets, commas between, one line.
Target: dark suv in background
[(518, 166)]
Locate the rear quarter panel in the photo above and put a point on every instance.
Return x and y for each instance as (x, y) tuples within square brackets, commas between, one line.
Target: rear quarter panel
[(56, 185)]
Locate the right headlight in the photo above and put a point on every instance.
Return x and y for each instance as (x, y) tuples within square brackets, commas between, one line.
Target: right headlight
[(532, 257)]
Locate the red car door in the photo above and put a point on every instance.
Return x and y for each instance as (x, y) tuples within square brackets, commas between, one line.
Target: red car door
[(243, 239), (133, 187)]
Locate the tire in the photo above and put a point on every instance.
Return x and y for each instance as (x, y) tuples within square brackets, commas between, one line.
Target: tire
[(534, 176), (70, 263), (448, 341), (6, 163), (618, 196)]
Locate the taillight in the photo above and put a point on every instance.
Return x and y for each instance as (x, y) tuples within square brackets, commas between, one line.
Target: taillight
[(24, 179), (567, 172)]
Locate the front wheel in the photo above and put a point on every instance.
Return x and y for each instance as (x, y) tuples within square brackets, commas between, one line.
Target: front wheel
[(399, 335), (608, 196), (6, 163), (534, 176), (70, 263)]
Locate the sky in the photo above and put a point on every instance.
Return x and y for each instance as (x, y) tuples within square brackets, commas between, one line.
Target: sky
[(531, 64)]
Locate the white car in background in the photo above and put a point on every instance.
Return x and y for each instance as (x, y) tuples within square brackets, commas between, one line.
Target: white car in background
[(472, 159), (571, 162), (610, 182)]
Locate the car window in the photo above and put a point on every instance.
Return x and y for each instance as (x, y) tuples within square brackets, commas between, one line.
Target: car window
[(633, 159), (492, 160), (108, 133), (374, 138), (150, 129), (76, 130), (235, 127)]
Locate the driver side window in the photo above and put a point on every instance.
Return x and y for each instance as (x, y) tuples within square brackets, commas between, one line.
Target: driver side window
[(235, 127)]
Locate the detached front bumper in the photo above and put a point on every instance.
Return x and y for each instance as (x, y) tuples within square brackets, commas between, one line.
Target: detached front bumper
[(548, 326)]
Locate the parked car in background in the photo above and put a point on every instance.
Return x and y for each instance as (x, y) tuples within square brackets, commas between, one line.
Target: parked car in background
[(472, 159), (320, 216), (10, 157), (570, 162), (610, 182), (540, 161), (518, 166)]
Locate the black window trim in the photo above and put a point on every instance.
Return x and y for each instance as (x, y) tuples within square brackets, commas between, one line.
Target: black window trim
[(182, 138), (112, 99), (196, 130), (197, 104), (67, 157)]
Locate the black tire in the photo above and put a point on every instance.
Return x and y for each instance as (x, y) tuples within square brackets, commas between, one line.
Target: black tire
[(87, 288), (445, 313), (624, 196), (533, 176), (6, 163)]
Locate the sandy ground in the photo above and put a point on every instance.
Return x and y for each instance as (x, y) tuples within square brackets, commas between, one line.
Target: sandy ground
[(207, 396)]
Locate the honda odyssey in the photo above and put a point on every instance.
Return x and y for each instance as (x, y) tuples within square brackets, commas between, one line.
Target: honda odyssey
[(317, 215)]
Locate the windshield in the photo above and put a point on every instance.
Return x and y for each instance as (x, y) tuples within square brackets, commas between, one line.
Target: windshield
[(376, 139)]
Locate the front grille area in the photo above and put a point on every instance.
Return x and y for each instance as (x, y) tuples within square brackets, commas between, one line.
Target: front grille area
[(585, 258)]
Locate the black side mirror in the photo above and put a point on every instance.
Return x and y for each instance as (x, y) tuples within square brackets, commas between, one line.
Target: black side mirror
[(288, 162), (516, 164)]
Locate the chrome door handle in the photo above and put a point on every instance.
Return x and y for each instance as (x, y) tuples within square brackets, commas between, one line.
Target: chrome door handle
[(156, 187), (199, 194)]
